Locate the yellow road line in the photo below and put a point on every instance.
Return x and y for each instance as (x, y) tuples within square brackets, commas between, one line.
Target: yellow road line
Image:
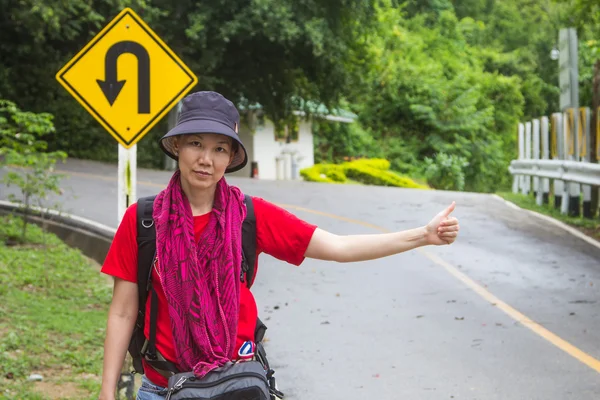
[(483, 292), (554, 339), (516, 315)]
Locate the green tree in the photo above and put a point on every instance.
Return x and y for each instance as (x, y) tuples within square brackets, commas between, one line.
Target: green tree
[(334, 141), (432, 95), (252, 51), (23, 153)]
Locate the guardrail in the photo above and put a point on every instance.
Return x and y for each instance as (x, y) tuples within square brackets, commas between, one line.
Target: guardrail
[(92, 238), (556, 152), (568, 171)]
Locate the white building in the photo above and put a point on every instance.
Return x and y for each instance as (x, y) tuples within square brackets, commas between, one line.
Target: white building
[(283, 154)]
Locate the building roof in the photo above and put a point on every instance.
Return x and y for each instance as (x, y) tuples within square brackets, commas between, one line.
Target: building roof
[(314, 109)]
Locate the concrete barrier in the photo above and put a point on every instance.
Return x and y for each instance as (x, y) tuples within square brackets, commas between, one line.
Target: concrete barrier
[(92, 238)]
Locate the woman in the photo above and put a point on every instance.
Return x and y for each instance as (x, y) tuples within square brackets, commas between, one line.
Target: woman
[(198, 219)]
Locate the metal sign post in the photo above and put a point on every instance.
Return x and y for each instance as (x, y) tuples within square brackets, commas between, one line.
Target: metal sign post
[(569, 104), (127, 179)]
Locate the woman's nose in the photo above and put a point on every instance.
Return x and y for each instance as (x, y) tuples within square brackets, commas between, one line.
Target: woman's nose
[(204, 157)]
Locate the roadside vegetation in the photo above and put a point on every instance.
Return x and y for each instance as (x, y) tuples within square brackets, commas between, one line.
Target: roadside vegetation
[(362, 171), (438, 87), (590, 227), (53, 307)]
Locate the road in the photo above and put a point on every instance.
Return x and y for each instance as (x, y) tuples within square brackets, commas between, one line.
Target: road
[(509, 311)]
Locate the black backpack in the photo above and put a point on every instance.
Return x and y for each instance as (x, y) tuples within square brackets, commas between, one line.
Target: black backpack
[(146, 240)]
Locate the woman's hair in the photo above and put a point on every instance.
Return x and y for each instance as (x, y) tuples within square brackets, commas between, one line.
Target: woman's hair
[(235, 146)]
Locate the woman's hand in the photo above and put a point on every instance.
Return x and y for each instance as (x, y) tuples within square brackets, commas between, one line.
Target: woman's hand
[(442, 229)]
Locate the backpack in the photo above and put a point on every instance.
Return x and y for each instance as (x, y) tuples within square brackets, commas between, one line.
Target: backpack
[(146, 241)]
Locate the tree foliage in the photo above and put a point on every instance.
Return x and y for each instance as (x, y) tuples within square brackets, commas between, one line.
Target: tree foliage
[(23, 152), (252, 51), (433, 81)]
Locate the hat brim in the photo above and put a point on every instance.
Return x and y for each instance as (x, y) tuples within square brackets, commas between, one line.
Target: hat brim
[(197, 126)]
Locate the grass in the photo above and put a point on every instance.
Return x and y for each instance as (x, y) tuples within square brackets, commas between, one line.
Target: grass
[(53, 307), (590, 227)]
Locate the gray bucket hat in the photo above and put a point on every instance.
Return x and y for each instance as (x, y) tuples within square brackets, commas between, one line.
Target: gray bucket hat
[(207, 112)]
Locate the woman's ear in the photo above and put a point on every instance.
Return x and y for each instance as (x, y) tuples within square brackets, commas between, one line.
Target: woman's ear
[(176, 142)]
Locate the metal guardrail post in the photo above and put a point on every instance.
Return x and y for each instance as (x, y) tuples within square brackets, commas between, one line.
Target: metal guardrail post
[(584, 154), (527, 185), (518, 179), (536, 156), (558, 151), (573, 189), (545, 156)]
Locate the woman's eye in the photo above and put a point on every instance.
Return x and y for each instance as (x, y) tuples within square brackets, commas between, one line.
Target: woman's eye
[(220, 149), (195, 143)]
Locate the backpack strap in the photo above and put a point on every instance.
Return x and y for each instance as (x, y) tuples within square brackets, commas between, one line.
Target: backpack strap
[(146, 242), (152, 356), (249, 243)]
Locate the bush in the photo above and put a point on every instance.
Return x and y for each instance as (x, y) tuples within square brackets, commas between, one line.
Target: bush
[(366, 171), (23, 151), (313, 174), (377, 163), (333, 172), (446, 172), (373, 176), (329, 173)]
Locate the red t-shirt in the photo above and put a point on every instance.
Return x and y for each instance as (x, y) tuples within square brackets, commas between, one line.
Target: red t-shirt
[(278, 233)]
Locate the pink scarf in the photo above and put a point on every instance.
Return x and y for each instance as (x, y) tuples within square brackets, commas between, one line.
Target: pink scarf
[(201, 280)]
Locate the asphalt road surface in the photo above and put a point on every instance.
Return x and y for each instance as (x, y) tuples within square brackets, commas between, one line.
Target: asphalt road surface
[(509, 311)]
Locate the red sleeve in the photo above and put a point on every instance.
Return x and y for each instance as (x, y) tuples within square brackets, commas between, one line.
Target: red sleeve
[(121, 260), (281, 234)]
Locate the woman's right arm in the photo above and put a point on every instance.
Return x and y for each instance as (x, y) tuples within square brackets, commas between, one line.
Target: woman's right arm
[(121, 320)]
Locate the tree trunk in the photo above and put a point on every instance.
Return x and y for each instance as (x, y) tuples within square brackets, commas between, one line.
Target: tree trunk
[(593, 133)]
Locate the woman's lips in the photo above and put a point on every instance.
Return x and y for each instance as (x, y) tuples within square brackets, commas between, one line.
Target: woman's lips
[(202, 174)]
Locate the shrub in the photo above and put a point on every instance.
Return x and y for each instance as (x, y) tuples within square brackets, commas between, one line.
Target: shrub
[(366, 171), (333, 172), (313, 174), (377, 163), (24, 152), (330, 173), (373, 176), (446, 172)]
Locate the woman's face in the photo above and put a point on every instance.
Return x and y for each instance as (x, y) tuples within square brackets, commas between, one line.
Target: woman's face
[(203, 159)]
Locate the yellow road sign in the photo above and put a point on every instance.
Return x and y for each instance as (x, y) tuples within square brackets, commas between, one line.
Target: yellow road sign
[(127, 78)]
